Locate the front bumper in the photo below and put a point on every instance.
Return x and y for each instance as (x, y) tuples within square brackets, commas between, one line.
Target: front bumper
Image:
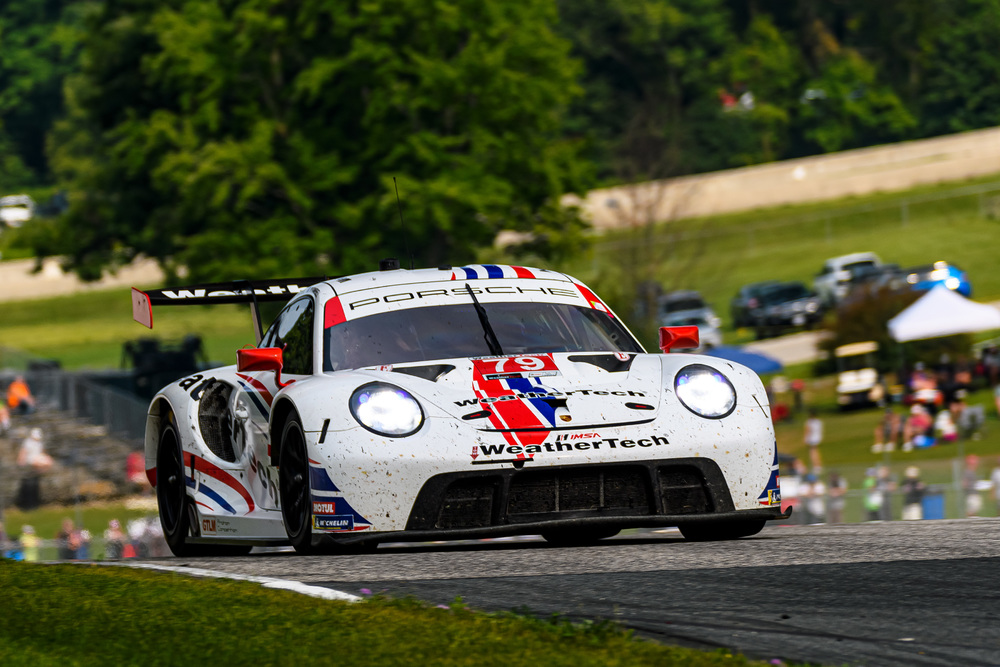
[(501, 502)]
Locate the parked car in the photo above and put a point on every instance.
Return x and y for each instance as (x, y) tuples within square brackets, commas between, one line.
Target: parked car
[(832, 283), (685, 303), (15, 210), (928, 276), (786, 305), (745, 301)]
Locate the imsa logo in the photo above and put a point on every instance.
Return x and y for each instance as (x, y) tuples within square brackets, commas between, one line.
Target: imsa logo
[(208, 525)]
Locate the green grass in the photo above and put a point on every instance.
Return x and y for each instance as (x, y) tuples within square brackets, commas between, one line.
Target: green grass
[(93, 615), (87, 330)]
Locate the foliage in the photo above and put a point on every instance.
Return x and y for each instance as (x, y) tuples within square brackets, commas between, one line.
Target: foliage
[(865, 317), (963, 90), (262, 138), (39, 44), (648, 64)]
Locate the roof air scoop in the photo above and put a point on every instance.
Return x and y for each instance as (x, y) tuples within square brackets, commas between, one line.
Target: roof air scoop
[(388, 264)]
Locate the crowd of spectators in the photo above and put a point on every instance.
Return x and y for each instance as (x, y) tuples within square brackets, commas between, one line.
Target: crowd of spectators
[(141, 538)]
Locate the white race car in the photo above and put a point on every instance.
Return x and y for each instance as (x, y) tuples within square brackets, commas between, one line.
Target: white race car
[(452, 403)]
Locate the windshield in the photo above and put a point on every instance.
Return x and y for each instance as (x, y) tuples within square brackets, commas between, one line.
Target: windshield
[(445, 332), (785, 293), (677, 305), (686, 322)]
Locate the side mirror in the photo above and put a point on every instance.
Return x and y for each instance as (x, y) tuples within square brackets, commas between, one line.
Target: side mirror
[(679, 338), (253, 359)]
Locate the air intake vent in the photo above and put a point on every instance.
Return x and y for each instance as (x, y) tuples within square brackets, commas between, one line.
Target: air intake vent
[(590, 492), (468, 503), (683, 490)]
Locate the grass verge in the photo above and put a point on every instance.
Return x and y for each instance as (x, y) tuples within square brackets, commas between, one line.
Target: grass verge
[(79, 615)]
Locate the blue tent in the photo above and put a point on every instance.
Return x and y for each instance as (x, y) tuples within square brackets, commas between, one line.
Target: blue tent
[(761, 364)]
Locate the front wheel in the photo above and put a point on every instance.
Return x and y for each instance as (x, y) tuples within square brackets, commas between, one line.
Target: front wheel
[(171, 491), (715, 531), (293, 486), (176, 512)]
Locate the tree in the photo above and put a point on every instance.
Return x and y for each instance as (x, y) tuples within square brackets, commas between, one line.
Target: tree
[(256, 137), (962, 89), (648, 67), (39, 46)]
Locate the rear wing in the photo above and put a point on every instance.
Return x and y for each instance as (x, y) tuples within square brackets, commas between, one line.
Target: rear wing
[(236, 291)]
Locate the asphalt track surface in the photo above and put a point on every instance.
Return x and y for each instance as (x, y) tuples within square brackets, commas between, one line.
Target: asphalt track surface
[(897, 593)]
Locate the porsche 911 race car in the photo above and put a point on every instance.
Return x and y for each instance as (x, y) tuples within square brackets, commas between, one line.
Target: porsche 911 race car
[(452, 403)]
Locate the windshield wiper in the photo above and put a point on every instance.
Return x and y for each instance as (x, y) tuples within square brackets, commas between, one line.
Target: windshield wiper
[(490, 335)]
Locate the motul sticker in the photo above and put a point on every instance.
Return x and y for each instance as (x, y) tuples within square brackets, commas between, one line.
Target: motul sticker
[(324, 508)]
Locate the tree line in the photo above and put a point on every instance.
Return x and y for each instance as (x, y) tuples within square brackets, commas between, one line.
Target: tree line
[(269, 137)]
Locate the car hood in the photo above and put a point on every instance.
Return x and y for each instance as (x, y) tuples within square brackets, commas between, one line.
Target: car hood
[(541, 391)]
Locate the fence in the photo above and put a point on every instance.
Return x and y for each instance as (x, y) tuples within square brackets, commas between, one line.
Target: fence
[(121, 413)]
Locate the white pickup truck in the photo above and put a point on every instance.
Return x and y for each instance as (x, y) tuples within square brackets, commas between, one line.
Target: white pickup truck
[(832, 283)]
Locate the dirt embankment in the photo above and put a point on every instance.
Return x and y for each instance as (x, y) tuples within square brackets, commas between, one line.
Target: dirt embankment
[(20, 282)]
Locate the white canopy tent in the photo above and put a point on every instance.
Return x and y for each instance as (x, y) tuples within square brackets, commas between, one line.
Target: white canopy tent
[(942, 312)]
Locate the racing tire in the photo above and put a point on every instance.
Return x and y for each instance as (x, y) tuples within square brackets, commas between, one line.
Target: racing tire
[(716, 531), (578, 537), (293, 486), (171, 491), (174, 504)]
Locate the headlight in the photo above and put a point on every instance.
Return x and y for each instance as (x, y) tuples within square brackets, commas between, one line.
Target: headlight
[(705, 391), (952, 283), (386, 410)]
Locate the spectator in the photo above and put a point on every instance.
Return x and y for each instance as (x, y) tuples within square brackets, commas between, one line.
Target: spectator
[(135, 471), (996, 397), (813, 436), (837, 503), (913, 495), (813, 495), (19, 397), (83, 550), (944, 427), (69, 540), (114, 541), (991, 365), (33, 460), (970, 478), (32, 453), (887, 485), (915, 430), (924, 388), (873, 495), (4, 543), (968, 418), (29, 544), (995, 479), (886, 432), (4, 418)]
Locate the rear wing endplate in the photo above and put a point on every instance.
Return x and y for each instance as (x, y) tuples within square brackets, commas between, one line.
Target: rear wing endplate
[(236, 291)]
